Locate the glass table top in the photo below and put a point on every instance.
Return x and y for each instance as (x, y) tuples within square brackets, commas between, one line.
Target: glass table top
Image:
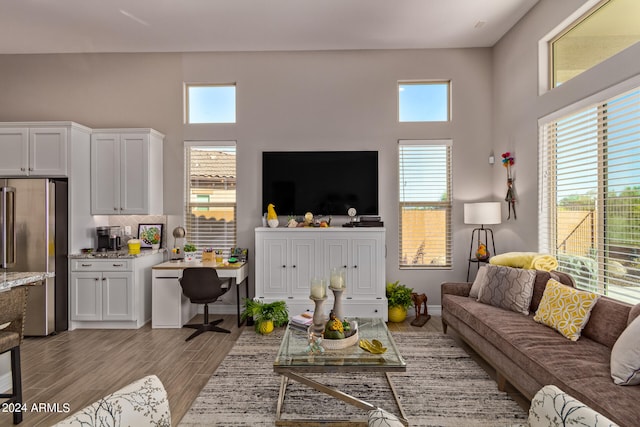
[(293, 353)]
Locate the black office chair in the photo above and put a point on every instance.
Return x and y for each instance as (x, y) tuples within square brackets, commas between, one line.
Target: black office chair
[(203, 286)]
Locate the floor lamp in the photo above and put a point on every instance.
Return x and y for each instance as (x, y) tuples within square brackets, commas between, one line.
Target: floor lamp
[(485, 213)]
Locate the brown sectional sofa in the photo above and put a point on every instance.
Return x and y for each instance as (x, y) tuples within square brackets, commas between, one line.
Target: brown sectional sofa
[(530, 355)]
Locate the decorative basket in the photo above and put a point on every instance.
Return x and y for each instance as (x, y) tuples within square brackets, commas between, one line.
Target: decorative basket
[(339, 344)]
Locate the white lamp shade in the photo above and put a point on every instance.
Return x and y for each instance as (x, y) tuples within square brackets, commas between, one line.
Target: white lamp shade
[(483, 213)]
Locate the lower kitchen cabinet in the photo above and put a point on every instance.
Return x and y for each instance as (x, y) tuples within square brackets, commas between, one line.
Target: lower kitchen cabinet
[(111, 293)]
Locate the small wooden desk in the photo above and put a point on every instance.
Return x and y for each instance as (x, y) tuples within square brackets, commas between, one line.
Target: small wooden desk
[(170, 308)]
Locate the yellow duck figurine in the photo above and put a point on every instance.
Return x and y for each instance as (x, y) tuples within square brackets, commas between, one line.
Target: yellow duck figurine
[(271, 212)]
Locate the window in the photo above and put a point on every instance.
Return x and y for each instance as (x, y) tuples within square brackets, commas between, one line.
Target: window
[(605, 30), (210, 215), (590, 194), (425, 203), (423, 101), (207, 103)]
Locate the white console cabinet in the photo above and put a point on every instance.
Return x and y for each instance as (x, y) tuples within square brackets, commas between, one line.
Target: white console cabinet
[(288, 258)]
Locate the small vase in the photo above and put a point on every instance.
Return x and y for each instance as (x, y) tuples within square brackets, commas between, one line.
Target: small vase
[(397, 314), (155, 246)]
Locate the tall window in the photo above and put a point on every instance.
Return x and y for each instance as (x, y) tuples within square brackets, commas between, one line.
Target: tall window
[(590, 195), (211, 194), (423, 101), (425, 203), (209, 103), (605, 30)]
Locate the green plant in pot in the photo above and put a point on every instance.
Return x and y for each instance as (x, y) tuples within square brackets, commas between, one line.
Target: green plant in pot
[(266, 315), (398, 301)]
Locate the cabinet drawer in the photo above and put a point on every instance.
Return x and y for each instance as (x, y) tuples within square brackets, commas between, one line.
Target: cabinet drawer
[(101, 265)]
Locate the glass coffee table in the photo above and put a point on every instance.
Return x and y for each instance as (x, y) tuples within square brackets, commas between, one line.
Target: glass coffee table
[(293, 362)]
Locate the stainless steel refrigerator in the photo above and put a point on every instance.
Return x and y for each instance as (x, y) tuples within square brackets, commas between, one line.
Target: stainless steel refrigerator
[(33, 237)]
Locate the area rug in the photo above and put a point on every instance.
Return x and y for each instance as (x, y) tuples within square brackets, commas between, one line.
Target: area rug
[(442, 386)]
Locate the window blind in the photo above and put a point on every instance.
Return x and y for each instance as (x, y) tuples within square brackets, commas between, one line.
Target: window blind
[(590, 195), (425, 203), (210, 214)]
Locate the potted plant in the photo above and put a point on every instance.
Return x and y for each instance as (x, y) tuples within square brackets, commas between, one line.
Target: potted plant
[(266, 315), (398, 301), (190, 252)]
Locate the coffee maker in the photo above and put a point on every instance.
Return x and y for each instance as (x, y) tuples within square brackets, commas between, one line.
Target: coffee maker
[(108, 238)]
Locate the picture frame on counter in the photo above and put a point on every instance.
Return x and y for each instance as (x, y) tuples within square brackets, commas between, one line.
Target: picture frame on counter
[(150, 235)]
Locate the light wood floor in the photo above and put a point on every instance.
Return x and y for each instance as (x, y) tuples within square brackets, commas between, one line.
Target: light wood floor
[(79, 367)]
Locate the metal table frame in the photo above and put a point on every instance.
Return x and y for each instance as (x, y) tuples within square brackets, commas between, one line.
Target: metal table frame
[(293, 367)]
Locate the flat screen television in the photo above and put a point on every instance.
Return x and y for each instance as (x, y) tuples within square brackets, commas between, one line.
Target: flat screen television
[(320, 182)]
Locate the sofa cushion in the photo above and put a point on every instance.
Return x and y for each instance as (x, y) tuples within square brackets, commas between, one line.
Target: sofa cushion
[(607, 321), (507, 287), (565, 309), (625, 356)]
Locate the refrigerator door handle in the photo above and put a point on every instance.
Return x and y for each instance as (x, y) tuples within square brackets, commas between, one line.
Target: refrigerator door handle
[(7, 227)]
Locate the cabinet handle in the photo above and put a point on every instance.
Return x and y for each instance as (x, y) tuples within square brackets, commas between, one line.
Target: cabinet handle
[(104, 278), (96, 278), (115, 208), (344, 266), (118, 265), (284, 266), (166, 277), (375, 311), (86, 265), (22, 169), (30, 169), (355, 266), (294, 266)]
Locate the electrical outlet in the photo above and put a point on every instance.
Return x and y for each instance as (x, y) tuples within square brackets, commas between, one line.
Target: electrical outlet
[(127, 229)]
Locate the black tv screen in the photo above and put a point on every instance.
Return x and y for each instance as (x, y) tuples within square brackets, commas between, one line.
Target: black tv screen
[(320, 182)]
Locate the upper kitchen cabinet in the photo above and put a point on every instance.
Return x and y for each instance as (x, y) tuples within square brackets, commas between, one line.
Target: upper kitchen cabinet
[(36, 148), (126, 172)]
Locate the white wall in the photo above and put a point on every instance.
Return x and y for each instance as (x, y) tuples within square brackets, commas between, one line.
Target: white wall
[(517, 107), (286, 100)]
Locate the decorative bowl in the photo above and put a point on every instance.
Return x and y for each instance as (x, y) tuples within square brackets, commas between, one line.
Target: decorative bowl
[(339, 344)]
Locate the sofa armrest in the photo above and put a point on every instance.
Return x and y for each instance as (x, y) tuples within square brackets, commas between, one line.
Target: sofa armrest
[(452, 288), (552, 407), (141, 403)]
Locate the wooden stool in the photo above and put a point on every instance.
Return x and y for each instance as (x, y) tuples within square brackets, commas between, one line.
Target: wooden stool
[(13, 306)]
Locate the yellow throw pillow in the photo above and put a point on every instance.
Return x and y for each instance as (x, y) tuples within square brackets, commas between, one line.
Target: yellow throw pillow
[(565, 309)]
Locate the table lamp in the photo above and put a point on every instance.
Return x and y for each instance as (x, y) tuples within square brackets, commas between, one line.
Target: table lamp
[(482, 213)]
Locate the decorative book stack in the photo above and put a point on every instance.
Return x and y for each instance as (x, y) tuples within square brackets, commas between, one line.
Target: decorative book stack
[(301, 321)]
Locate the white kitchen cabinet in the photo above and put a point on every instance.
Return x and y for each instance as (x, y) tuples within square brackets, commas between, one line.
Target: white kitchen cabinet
[(171, 309), (126, 172), (112, 293), (36, 148), (287, 259)]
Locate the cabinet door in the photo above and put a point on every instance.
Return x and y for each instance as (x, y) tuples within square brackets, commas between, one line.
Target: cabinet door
[(117, 296), (134, 167), (166, 299), (86, 296), (363, 268), (14, 146), (302, 266), (105, 174), (274, 269), (48, 152)]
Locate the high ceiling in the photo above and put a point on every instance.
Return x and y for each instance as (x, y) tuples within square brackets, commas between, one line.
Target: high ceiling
[(65, 26)]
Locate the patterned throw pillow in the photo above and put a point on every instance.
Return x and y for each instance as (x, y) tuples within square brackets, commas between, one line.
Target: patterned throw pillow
[(381, 418), (565, 309), (479, 282), (625, 356), (508, 287)]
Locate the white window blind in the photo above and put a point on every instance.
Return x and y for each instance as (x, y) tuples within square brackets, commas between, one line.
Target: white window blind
[(425, 203), (590, 195), (210, 215)]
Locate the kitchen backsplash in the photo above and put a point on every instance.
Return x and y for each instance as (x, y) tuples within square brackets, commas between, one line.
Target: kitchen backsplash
[(134, 220)]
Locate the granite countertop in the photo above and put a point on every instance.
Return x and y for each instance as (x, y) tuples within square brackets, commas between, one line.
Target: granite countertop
[(12, 279), (123, 253)]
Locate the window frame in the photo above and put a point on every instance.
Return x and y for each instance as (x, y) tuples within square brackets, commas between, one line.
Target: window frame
[(449, 110), (187, 110), (547, 186), (447, 205), (189, 205)]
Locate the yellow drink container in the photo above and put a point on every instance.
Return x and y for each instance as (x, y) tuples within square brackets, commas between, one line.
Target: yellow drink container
[(134, 246)]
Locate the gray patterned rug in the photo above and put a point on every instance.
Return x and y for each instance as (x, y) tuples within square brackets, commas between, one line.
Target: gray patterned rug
[(442, 386)]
